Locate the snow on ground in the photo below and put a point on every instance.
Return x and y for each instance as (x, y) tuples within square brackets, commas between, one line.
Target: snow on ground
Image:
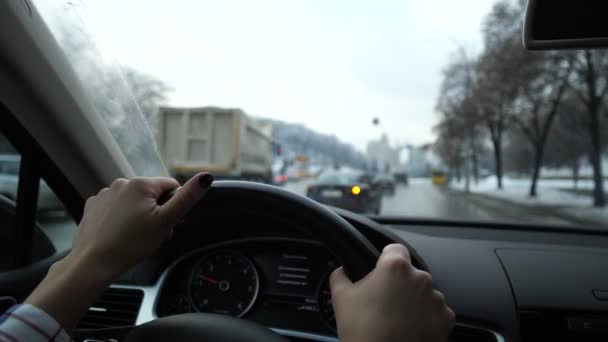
[(589, 213), (550, 191)]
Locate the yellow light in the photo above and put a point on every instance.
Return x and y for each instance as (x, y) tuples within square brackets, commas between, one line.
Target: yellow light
[(356, 190)]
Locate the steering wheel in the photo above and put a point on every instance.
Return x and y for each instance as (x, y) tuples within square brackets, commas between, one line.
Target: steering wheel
[(357, 255)]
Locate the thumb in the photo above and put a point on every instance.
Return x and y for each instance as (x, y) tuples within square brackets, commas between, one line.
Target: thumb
[(186, 198), (338, 281)]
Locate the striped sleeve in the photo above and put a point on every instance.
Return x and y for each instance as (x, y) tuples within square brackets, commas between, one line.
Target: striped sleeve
[(25, 322)]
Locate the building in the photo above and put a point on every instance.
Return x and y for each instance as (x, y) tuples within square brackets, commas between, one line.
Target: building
[(382, 156), (421, 160)]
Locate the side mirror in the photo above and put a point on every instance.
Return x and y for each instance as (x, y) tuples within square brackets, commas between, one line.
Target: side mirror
[(565, 24)]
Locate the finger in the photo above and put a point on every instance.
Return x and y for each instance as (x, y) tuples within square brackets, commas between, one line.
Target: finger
[(89, 203), (338, 280), (102, 191), (186, 198), (158, 186), (423, 281), (439, 298), (450, 320), (119, 183), (445, 320), (394, 251)]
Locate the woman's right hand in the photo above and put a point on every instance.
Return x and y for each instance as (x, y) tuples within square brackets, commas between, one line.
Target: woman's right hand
[(394, 303)]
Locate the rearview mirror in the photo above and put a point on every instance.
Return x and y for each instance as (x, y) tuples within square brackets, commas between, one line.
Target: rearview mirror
[(565, 24)]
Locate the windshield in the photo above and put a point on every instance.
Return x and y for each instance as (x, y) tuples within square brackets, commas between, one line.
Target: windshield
[(438, 96)]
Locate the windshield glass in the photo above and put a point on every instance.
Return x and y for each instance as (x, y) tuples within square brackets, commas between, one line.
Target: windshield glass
[(439, 96)]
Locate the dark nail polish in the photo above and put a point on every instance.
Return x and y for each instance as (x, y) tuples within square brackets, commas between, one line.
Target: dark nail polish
[(205, 180)]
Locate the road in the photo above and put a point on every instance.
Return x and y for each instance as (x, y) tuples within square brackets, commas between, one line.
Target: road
[(420, 200), (424, 200)]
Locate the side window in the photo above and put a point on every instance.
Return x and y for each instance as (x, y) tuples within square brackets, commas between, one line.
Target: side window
[(54, 228), (54, 220)]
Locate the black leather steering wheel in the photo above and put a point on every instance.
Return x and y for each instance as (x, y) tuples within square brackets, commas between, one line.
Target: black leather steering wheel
[(357, 255)]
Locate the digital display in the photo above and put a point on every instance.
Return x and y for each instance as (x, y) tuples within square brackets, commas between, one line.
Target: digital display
[(292, 278)]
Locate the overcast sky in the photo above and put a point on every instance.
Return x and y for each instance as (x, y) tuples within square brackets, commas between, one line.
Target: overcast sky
[(330, 65)]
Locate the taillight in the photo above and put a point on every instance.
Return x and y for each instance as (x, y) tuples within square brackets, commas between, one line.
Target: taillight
[(281, 178)]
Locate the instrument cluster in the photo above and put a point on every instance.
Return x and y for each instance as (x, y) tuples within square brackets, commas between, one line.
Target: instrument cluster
[(280, 283)]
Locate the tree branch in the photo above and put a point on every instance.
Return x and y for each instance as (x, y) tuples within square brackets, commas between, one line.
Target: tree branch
[(525, 129)]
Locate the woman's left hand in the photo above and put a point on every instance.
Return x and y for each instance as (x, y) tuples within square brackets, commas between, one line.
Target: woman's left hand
[(125, 223), (121, 226)]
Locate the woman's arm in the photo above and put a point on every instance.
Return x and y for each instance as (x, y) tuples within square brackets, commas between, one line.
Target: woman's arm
[(122, 225)]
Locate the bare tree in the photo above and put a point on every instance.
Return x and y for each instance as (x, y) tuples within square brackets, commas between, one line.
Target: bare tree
[(545, 79), (449, 146), (125, 98), (518, 96), (494, 103), (590, 84), (519, 156), (148, 91), (498, 75), (568, 140), (459, 113)]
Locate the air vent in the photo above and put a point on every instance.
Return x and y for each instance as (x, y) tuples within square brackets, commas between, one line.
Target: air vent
[(115, 308), (466, 333)]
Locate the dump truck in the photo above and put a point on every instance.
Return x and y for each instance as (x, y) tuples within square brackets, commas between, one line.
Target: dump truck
[(223, 141)]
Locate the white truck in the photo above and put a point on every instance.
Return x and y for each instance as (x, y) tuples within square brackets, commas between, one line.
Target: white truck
[(225, 142)]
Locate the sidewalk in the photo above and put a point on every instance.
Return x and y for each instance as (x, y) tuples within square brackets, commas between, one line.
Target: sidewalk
[(553, 200)]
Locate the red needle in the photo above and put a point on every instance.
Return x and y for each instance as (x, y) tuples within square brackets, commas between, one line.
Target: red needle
[(208, 279)]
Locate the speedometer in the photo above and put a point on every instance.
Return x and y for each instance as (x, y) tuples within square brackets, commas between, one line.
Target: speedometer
[(224, 283)]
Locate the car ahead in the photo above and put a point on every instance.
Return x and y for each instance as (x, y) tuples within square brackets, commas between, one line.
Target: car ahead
[(439, 177), (401, 177), (279, 172), (346, 190), (385, 183), (9, 182)]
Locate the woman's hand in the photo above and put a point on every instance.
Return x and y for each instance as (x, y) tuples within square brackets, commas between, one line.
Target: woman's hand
[(394, 303), (121, 225), (124, 223)]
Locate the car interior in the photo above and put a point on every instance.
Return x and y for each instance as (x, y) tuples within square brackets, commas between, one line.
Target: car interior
[(505, 282)]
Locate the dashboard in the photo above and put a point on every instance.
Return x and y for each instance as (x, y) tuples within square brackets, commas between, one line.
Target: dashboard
[(506, 283), (272, 281)]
